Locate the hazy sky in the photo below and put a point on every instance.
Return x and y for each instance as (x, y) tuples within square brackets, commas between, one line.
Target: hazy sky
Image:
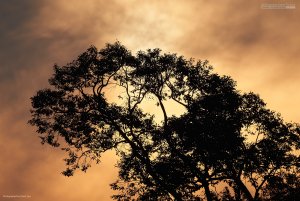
[(259, 48)]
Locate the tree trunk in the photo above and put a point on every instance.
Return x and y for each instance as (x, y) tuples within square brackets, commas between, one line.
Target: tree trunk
[(207, 191), (244, 189), (143, 156)]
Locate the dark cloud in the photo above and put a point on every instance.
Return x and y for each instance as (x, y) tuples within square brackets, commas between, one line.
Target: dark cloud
[(31, 42), (14, 17)]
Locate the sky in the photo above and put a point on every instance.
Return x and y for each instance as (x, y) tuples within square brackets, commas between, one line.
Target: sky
[(259, 48)]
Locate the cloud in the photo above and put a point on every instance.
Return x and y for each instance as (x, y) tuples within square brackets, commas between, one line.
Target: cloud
[(32, 41), (256, 47), (259, 48)]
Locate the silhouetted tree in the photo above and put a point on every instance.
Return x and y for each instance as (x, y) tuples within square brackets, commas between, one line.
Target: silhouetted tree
[(222, 136)]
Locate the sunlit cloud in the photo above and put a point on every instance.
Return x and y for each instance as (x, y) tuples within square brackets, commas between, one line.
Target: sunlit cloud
[(258, 48)]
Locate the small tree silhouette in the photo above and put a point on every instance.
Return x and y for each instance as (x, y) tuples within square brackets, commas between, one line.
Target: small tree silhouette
[(223, 135)]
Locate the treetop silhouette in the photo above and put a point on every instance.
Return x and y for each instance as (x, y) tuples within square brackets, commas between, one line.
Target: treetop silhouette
[(223, 137)]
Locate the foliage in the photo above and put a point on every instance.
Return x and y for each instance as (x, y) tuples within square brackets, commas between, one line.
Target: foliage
[(222, 135)]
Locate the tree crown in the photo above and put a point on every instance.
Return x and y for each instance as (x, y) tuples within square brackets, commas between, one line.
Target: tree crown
[(222, 135)]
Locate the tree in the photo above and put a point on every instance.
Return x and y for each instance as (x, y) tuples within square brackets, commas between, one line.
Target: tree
[(222, 137)]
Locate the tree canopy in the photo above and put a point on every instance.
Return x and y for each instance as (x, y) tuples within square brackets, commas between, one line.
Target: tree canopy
[(225, 145)]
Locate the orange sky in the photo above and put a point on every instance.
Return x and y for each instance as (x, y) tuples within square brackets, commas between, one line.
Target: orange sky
[(259, 48)]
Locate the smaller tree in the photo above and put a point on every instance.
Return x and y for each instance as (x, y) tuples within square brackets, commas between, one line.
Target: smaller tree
[(283, 187)]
